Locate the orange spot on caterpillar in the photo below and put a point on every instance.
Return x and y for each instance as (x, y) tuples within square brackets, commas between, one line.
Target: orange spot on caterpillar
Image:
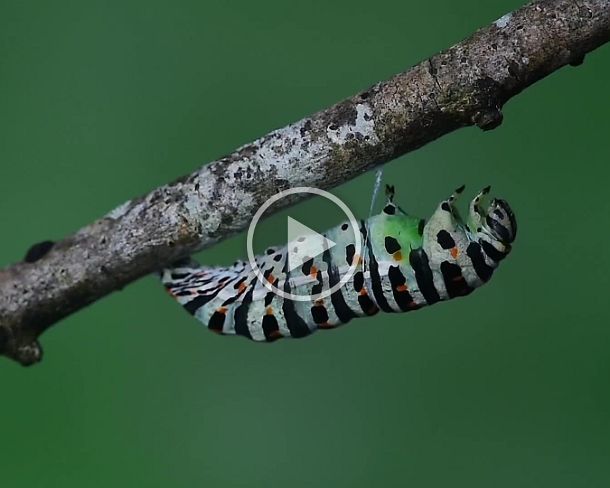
[(222, 310), (313, 272), (319, 302), (356, 260), (325, 325), (454, 252), (275, 334), (397, 256), (270, 278), (402, 288), (242, 287), (269, 311), (362, 292)]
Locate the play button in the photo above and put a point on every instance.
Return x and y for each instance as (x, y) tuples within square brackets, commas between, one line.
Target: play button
[(304, 243)]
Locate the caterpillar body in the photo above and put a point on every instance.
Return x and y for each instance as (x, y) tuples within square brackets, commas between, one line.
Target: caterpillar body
[(406, 263)]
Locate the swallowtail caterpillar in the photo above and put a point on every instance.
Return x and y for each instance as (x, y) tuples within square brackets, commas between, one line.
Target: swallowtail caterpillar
[(407, 263)]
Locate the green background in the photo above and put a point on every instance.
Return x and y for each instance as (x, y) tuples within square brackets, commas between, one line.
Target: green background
[(102, 101)]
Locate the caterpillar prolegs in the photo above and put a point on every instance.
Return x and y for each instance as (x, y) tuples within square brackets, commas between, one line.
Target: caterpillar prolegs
[(406, 263)]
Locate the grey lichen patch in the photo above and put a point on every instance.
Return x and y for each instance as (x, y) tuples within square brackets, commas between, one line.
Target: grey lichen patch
[(118, 212), (271, 160), (503, 21), (193, 201), (361, 127)]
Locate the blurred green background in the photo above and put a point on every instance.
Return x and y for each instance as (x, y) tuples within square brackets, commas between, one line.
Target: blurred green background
[(102, 101)]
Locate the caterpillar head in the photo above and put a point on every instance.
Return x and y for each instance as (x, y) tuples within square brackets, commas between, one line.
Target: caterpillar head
[(496, 222)]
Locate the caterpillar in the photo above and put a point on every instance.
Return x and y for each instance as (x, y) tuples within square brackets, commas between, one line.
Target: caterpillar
[(406, 264)]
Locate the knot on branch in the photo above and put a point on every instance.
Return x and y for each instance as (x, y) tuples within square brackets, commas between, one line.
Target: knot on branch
[(488, 119), (489, 97), (37, 251), (26, 354)]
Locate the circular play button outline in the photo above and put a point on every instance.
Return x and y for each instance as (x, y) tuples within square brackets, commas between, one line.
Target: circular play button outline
[(352, 222)]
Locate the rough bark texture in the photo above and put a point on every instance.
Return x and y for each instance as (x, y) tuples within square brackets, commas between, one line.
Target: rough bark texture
[(464, 85)]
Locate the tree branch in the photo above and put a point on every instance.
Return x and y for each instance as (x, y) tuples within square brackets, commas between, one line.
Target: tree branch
[(464, 85)]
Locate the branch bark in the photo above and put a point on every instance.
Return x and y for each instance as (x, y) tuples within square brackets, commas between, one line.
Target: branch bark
[(465, 85)]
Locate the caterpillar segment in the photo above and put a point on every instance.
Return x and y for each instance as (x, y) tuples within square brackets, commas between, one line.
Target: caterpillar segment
[(406, 263)]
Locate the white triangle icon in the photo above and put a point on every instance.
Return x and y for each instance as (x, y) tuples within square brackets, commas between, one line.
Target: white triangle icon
[(304, 243)]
